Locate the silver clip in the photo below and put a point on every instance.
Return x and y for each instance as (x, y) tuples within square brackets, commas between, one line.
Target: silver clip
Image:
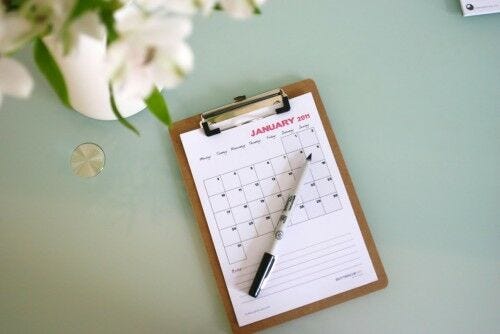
[(244, 110)]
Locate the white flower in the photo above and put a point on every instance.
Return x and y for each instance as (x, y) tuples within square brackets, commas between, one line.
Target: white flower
[(151, 51), (14, 79), (47, 16), (241, 9), (185, 7), (88, 24), (37, 18), (14, 31)]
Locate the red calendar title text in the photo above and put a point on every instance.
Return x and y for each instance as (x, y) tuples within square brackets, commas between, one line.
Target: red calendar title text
[(272, 126)]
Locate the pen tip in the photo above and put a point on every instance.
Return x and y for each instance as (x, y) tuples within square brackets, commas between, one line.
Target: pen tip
[(309, 157)]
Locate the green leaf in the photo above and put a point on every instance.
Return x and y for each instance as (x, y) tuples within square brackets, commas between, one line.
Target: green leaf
[(158, 107), (11, 5), (108, 19), (82, 6), (256, 9), (120, 118), (49, 68), (107, 15)]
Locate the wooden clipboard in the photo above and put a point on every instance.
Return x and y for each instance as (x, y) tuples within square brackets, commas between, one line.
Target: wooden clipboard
[(192, 123)]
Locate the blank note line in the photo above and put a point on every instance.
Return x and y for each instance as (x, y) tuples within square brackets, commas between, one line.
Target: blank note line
[(294, 265), (273, 278), (318, 250), (294, 251), (291, 287), (314, 272), (295, 258), (318, 243)]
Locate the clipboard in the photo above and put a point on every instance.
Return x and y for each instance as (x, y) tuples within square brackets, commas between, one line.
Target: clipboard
[(217, 120)]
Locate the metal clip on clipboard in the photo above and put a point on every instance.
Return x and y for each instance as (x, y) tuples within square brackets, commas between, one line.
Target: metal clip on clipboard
[(244, 110)]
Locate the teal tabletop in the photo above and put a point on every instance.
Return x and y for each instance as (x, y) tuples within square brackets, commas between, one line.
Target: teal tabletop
[(412, 89)]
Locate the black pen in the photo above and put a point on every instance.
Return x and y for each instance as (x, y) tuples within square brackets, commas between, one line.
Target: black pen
[(269, 257)]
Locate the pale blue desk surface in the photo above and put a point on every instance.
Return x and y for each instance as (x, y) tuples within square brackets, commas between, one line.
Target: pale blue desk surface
[(413, 92)]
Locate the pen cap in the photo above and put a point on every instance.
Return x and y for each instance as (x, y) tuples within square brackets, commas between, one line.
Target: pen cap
[(263, 271)]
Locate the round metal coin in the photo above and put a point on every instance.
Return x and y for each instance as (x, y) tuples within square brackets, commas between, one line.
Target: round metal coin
[(87, 160)]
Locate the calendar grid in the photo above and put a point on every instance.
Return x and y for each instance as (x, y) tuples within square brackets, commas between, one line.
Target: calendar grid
[(246, 202), (310, 183), (220, 236), (245, 184), (238, 244), (333, 194)]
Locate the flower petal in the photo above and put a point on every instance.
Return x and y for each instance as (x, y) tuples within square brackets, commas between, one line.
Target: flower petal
[(90, 25), (14, 32), (15, 80), (206, 6), (171, 65), (184, 7), (136, 81), (183, 57), (128, 19), (177, 28), (241, 9)]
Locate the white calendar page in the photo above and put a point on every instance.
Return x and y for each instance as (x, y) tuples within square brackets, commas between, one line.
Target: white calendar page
[(243, 176)]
